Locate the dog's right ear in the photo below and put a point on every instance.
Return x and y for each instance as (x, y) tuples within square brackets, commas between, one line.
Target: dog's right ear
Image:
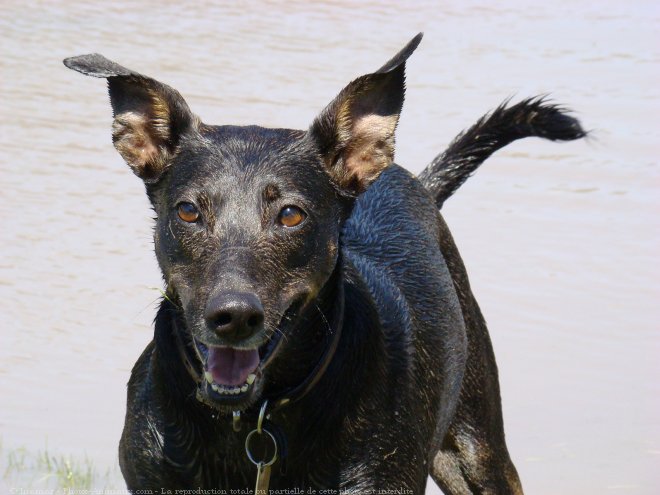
[(150, 117)]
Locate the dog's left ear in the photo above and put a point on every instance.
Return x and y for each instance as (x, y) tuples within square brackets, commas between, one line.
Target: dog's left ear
[(356, 131)]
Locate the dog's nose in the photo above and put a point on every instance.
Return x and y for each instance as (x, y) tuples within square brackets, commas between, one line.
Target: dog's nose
[(235, 316)]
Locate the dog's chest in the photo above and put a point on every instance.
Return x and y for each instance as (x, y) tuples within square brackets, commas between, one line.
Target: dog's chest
[(216, 458)]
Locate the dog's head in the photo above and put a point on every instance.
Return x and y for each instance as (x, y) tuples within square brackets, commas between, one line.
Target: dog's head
[(248, 218)]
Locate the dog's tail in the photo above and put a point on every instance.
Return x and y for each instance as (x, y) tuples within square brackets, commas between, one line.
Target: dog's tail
[(531, 117)]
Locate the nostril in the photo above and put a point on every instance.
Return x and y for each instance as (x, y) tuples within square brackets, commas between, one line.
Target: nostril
[(223, 319)]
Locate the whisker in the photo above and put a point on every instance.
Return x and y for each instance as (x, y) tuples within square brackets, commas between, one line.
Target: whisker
[(327, 324)]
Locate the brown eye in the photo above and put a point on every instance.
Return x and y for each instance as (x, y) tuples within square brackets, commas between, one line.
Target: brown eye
[(187, 212), (290, 216)]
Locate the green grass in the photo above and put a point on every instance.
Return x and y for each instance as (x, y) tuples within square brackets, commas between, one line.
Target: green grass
[(22, 468)]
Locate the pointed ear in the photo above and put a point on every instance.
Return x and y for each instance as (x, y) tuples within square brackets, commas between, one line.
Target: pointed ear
[(356, 131), (150, 118)]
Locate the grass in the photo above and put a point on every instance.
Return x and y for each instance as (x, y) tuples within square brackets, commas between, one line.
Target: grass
[(21, 468)]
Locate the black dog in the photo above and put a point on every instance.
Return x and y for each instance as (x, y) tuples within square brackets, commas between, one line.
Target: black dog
[(312, 280)]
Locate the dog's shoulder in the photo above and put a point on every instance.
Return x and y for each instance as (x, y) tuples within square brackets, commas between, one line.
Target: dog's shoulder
[(392, 240), (394, 219)]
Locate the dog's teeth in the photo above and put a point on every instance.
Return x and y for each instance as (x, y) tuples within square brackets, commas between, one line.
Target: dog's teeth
[(225, 390), (250, 379), (208, 376)]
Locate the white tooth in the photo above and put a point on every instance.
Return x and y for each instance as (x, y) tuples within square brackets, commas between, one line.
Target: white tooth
[(244, 388), (208, 376), (250, 379), (215, 387), (236, 390)]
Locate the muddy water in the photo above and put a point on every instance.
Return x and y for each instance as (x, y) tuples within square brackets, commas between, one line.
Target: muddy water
[(560, 240)]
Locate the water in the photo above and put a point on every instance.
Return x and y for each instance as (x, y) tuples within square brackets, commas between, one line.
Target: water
[(560, 240)]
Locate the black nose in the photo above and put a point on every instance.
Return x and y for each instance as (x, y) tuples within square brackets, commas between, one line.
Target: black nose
[(235, 316)]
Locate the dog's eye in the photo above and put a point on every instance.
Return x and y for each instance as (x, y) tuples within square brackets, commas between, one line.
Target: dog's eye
[(290, 216), (188, 212)]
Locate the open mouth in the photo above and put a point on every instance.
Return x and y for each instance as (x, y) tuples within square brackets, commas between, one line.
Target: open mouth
[(232, 376), (230, 371)]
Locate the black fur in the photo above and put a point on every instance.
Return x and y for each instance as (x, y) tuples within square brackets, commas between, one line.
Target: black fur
[(367, 269)]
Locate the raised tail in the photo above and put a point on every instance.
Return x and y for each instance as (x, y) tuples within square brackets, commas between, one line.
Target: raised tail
[(531, 117)]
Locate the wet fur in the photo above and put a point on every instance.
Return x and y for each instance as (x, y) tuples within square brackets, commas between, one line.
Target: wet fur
[(412, 389)]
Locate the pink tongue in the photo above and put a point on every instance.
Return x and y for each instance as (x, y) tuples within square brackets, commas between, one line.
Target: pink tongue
[(231, 366)]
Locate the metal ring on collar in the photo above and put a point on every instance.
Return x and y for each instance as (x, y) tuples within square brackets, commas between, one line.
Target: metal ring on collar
[(249, 454)]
